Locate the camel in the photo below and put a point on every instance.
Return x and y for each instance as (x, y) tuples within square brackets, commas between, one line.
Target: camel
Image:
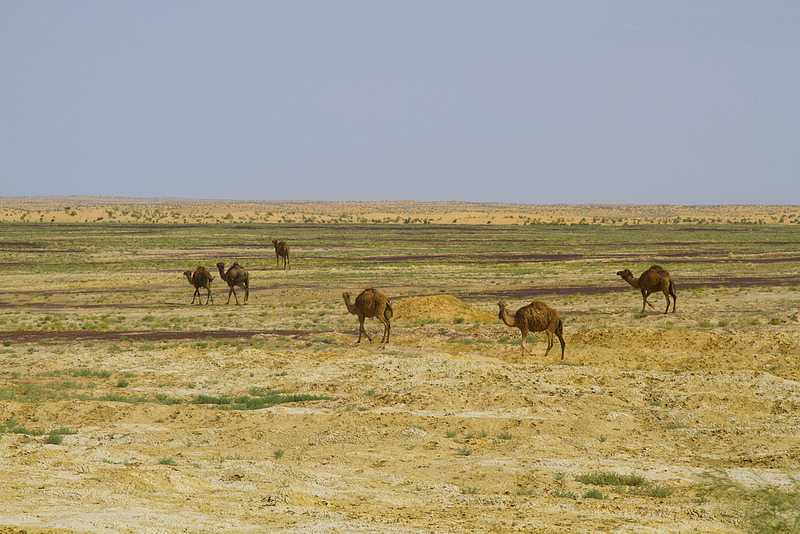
[(373, 304), (535, 317), (653, 279), (281, 251), (235, 276), (200, 278)]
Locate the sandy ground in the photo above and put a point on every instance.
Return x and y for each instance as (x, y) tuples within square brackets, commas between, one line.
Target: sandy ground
[(448, 429), (171, 211)]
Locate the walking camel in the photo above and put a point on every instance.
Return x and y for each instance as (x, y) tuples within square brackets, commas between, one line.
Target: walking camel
[(235, 276), (656, 278), (373, 304), (281, 251), (535, 317), (200, 278)]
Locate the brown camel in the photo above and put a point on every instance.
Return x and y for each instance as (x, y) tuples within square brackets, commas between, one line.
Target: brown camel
[(373, 304), (281, 251), (235, 276), (200, 278), (653, 279), (535, 317)]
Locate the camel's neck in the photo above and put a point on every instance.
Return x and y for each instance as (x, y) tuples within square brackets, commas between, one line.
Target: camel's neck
[(506, 317), (634, 282), (221, 272), (189, 277)]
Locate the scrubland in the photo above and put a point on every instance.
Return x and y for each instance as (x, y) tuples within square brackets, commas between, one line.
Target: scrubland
[(125, 408)]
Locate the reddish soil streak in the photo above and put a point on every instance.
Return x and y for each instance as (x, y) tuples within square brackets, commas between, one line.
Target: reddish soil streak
[(30, 336), (742, 281)]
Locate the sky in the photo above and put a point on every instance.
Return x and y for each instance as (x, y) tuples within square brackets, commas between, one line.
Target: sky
[(505, 101)]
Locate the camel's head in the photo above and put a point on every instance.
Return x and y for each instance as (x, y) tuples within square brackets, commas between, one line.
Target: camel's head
[(221, 265), (625, 273), (346, 295), (188, 275), (502, 304), (275, 242)]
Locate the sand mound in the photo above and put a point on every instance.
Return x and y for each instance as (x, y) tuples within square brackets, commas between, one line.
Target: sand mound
[(439, 308)]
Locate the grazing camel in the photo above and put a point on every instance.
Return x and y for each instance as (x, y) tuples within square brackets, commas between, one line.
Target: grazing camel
[(281, 251), (200, 278), (373, 304), (535, 317), (236, 276), (653, 279)]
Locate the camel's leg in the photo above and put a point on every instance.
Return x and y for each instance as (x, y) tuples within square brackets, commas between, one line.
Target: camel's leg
[(363, 330), (209, 297), (674, 297), (366, 333), (549, 343), (559, 333), (277, 259), (388, 330), (235, 296), (246, 292), (524, 332), (196, 293), (288, 266), (666, 296), (645, 294), (385, 337)]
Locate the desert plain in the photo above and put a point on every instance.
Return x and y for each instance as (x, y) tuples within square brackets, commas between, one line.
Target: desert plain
[(124, 408)]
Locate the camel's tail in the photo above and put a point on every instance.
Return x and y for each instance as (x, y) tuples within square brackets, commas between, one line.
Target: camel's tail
[(389, 313)]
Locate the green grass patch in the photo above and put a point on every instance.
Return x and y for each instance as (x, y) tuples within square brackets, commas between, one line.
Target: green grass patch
[(594, 494), (659, 492), (10, 426), (256, 399), (765, 510), (54, 439), (167, 461), (609, 478)]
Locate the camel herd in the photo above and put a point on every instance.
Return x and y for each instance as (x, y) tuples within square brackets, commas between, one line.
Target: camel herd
[(372, 304)]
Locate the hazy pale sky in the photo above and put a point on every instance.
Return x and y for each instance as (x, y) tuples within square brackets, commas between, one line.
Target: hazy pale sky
[(534, 102)]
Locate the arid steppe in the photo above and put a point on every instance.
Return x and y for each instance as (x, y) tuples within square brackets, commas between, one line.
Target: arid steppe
[(125, 408)]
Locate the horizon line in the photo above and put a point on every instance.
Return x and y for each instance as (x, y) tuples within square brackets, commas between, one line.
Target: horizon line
[(381, 201)]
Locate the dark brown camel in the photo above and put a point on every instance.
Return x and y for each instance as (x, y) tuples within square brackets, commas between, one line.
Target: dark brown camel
[(535, 317), (200, 278), (373, 304), (653, 279), (235, 276), (281, 251)]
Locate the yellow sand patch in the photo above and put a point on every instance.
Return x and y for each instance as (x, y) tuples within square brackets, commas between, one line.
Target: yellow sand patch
[(438, 308)]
